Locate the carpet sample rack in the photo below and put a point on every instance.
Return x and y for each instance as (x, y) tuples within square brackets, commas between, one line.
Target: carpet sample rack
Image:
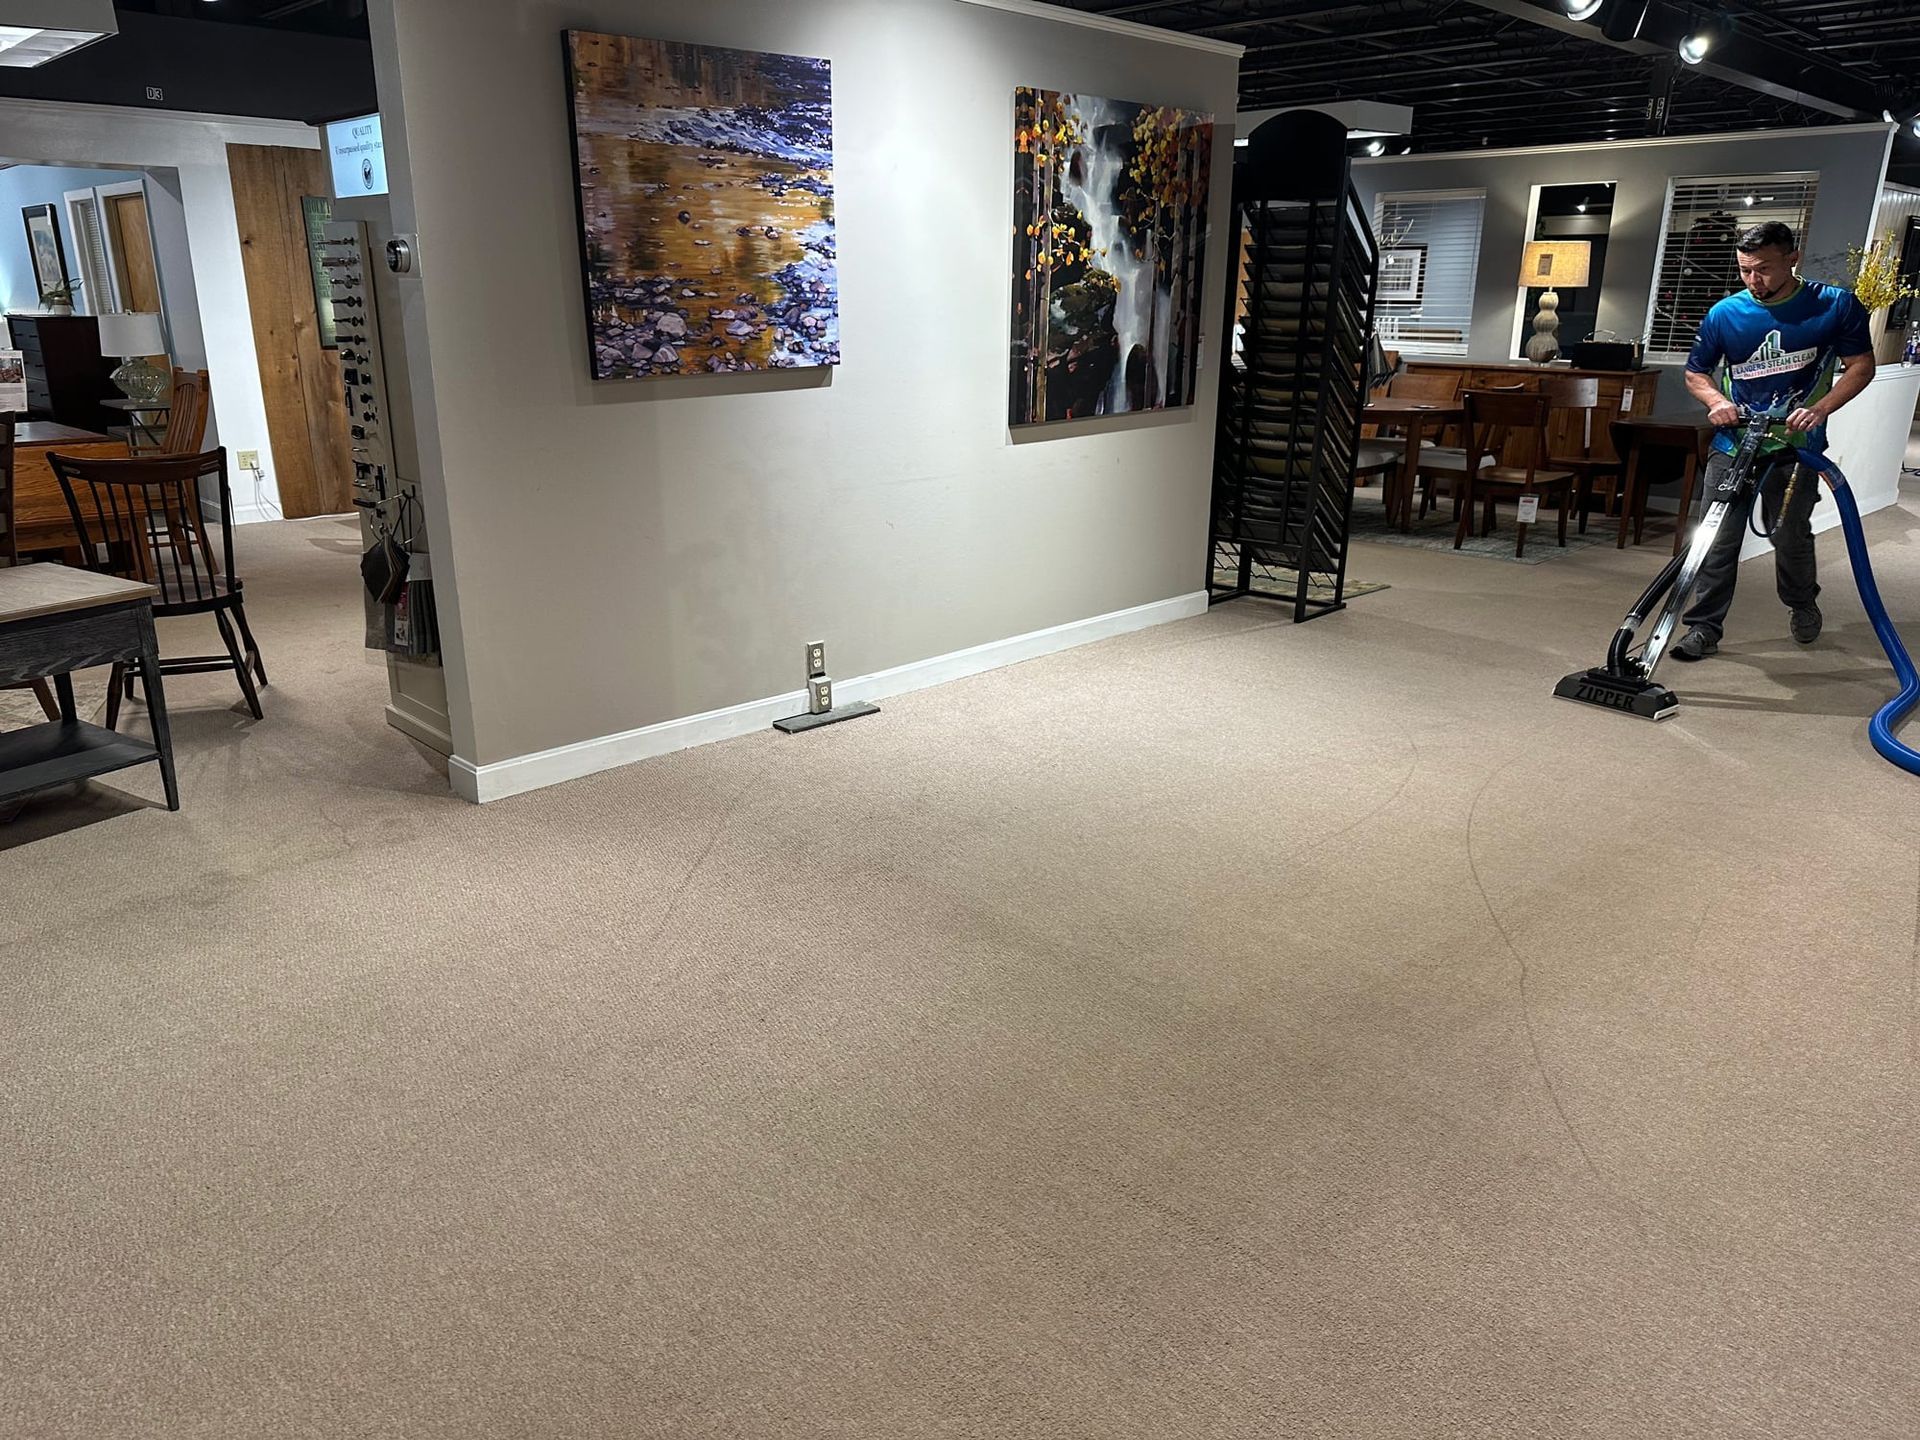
[(1300, 316)]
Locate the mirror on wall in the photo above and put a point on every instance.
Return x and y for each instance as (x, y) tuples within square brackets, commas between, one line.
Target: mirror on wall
[(1571, 212)]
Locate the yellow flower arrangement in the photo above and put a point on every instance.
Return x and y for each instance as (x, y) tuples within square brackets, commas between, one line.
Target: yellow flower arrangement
[(1876, 278)]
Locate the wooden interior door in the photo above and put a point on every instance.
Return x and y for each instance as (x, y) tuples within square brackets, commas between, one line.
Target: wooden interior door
[(306, 405), (132, 250)]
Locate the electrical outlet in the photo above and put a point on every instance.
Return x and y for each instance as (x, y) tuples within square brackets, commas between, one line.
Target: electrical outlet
[(819, 695), (250, 460), (816, 658)]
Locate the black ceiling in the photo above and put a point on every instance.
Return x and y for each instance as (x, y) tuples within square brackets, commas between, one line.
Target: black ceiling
[(320, 17), (1519, 72)]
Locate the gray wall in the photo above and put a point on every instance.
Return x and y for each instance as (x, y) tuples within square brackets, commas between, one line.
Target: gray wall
[(28, 184), (622, 554), (1850, 161)]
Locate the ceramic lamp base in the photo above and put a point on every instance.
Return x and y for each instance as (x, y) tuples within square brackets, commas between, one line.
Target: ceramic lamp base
[(1545, 344), (140, 379)]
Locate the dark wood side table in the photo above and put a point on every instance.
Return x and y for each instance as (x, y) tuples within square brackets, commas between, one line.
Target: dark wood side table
[(143, 432), (53, 621), (1413, 417), (1690, 439)]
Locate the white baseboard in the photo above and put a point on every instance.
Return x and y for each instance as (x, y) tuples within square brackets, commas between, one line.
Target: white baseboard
[(503, 778), (253, 514)]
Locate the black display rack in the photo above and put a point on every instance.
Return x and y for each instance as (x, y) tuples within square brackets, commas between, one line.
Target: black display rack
[(1300, 314)]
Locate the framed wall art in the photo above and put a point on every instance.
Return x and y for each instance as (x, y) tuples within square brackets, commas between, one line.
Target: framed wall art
[(1403, 275), (1109, 243), (705, 186), (49, 255)]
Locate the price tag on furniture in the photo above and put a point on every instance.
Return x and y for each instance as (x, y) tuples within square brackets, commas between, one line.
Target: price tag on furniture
[(1529, 509)]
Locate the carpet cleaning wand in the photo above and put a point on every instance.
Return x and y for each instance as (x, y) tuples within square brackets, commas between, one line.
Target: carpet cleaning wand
[(1626, 682)]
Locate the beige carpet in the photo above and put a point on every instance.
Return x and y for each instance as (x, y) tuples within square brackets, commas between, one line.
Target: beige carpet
[(1337, 1037)]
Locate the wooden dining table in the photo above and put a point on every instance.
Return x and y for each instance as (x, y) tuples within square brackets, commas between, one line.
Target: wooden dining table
[(40, 515), (1413, 418)]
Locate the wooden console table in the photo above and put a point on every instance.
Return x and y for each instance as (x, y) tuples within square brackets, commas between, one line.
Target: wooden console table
[(54, 621)]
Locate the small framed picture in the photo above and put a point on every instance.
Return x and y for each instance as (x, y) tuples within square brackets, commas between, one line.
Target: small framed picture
[(1403, 275), (43, 244)]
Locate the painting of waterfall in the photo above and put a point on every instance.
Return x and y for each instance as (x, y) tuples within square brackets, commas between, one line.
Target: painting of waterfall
[(705, 181), (1109, 235)]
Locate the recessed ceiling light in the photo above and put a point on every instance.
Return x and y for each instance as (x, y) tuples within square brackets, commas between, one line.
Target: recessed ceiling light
[(32, 32), (1749, 199)]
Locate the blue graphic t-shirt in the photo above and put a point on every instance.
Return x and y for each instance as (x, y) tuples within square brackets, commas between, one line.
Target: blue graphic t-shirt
[(1784, 348)]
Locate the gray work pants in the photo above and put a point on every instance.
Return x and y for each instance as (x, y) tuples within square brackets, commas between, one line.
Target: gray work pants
[(1794, 570)]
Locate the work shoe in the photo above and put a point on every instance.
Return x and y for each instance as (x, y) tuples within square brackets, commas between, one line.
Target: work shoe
[(1806, 624), (1697, 645)]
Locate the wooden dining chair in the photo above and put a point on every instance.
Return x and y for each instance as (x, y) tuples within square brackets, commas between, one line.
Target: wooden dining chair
[(187, 421), (141, 520), (1425, 385), (10, 555), (1493, 417), (1635, 442), (1577, 397), (1443, 467)]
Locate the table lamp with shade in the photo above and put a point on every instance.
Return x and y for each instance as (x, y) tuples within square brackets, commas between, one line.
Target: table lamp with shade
[(1552, 263), (133, 336)]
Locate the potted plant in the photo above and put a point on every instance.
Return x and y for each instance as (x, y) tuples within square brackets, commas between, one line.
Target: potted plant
[(58, 299)]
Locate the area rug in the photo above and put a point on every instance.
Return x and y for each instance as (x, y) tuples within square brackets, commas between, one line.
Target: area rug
[(1276, 582), (21, 708), (1436, 532)]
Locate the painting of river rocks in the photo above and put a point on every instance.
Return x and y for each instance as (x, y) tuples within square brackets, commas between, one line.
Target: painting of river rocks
[(1109, 237), (706, 205)]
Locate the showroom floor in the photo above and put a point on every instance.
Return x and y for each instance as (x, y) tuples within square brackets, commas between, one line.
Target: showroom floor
[(1235, 1029)]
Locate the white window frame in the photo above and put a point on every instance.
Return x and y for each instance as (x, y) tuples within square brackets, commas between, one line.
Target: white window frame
[(1522, 317), (91, 301), (97, 196), (1387, 324), (1679, 357)]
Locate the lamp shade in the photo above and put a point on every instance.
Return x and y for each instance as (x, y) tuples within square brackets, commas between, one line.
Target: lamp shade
[(1552, 264), (135, 333)]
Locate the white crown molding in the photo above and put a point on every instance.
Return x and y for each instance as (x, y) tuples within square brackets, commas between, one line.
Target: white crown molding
[(1061, 15), (302, 134), (481, 783), (1877, 127)]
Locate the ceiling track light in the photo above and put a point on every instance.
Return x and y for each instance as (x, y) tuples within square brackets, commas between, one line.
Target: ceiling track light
[(1701, 37), (1583, 9)]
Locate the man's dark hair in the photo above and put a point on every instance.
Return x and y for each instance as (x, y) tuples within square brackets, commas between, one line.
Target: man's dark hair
[(1771, 236)]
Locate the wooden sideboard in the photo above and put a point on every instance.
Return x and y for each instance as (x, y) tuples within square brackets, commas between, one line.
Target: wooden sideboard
[(1621, 393), (67, 376)]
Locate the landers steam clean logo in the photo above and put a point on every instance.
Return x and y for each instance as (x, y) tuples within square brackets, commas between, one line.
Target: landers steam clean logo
[(1770, 359)]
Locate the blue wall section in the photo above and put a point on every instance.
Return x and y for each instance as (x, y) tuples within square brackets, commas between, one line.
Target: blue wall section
[(25, 185)]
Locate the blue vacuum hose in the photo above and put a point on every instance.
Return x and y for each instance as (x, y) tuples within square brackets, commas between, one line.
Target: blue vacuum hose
[(1880, 731)]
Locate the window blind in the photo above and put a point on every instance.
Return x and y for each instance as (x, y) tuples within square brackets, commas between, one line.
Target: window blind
[(1698, 265), (96, 290), (1429, 265)]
